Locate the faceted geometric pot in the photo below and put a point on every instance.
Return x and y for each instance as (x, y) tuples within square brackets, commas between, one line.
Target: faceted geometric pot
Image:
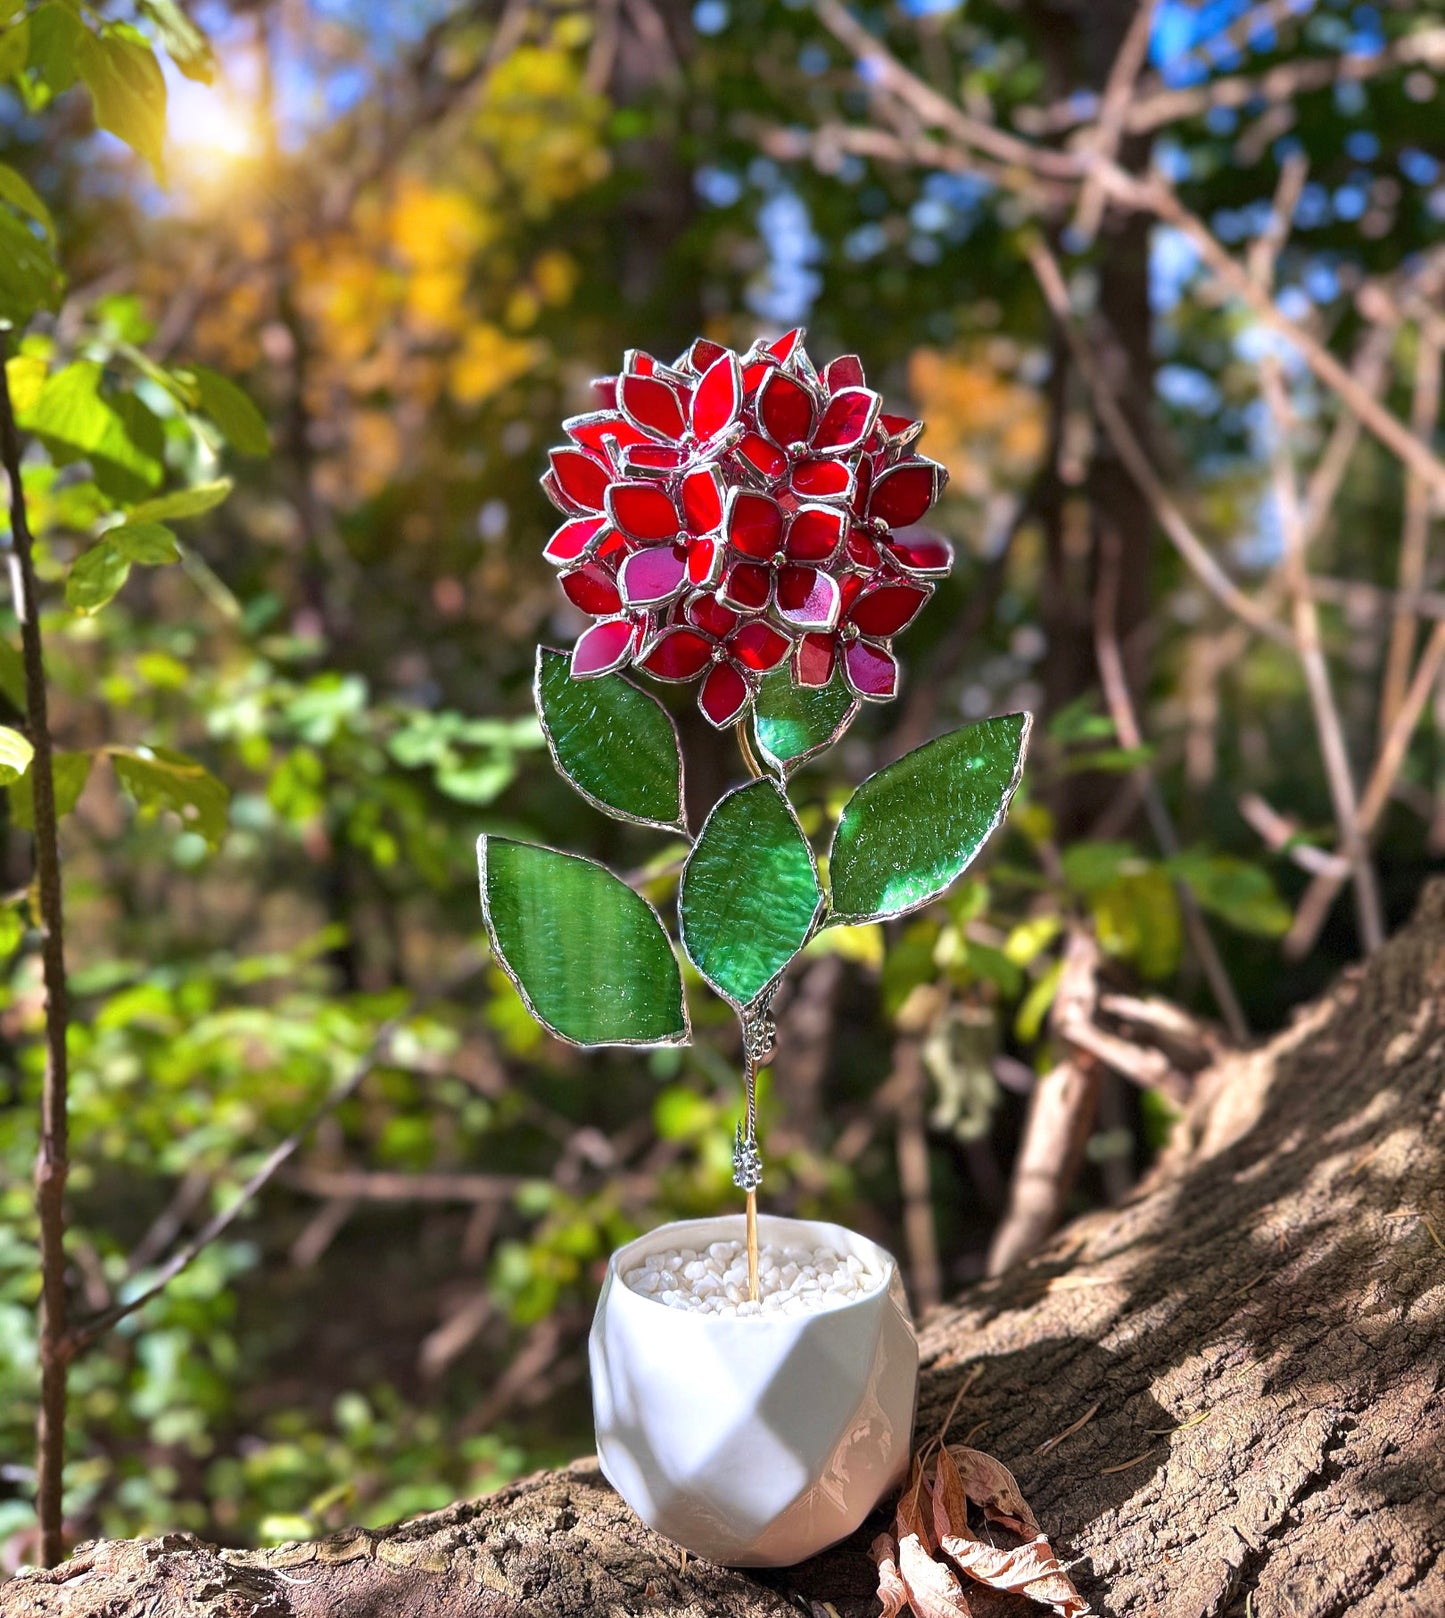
[(754, 1441)]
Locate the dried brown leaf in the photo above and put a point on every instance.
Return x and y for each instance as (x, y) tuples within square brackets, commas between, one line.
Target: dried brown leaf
[(914, 1509), (933, 1589), (950, 1500), (892, 1592), (990, 1484), (1031, 1570)]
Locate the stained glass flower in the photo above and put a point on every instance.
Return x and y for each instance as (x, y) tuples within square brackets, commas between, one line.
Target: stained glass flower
[(729, 512)]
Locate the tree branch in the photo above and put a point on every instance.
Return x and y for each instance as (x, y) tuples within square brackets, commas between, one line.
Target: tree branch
[(52, 1163)]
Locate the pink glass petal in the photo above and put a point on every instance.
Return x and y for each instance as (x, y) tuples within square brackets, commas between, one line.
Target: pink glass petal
[(814, 659), (643, 512), (782, 350), (762, 456), (754, 525), (601, 649), (807, 599), (844, 372), (904, 492), (870, 670), (678, 654), (925, 556), (652, 460), (758, 646), (724, 696), (702, 500), (847, 421), (709, 615), (887, 608), (594, 429), (651, 577), (717, 398), (815, 533), (786, 409), (822, 480), (704, 562), (573, 540), (652, 405), (746, 586), (582, 478), (592, 589)]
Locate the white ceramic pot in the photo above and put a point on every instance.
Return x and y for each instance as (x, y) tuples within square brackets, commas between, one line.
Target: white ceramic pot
[(753, 1441)]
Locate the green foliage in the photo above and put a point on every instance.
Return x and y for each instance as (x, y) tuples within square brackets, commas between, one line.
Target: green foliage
[(126, 87), (160, 779), (15, 755)]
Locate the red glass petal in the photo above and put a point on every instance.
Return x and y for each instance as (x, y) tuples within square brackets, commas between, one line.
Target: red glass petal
[(573, 540), (786, 409), (702, 500), (904, 492), (886, 609), (782, 350), (709, 614), (592, 588), (844, 372), (652, 576), (847, 421), (612, 546), (762, 456), (815, 533), (703, 353), (652, 405), (807, 599), (746, 586), (605, 387), (638, 362), (717, 398), (582, 478), (814, 659), (822, 480), (850, 587), (642, 511), (754, 524), (597, 426), (870, 670), (678, 654), (923, 555), (652, 460), (704, 562), (897, 426), (724, 696), (862, 552), (754, 374), (601, 649), (758, 646), (863, 485)]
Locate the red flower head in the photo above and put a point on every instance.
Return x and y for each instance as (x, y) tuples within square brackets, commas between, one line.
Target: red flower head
[(728, 512)]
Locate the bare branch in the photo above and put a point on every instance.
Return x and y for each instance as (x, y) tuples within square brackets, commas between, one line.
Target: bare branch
[(1102, 141)]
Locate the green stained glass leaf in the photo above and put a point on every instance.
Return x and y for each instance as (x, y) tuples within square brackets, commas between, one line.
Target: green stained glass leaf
[(793, 723), (590, 957), (910, 830), (749, 895), (614, 742)]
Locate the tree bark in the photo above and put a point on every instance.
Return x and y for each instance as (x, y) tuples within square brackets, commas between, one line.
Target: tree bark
[(1243, 1362)]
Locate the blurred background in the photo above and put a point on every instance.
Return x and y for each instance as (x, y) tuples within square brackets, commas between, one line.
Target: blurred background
[(412, 233)]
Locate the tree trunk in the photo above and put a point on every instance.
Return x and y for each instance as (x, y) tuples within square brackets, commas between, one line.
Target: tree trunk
[(1223, 1398)]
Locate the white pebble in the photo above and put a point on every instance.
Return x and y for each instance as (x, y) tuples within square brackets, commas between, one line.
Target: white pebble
[(791, 1280)]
